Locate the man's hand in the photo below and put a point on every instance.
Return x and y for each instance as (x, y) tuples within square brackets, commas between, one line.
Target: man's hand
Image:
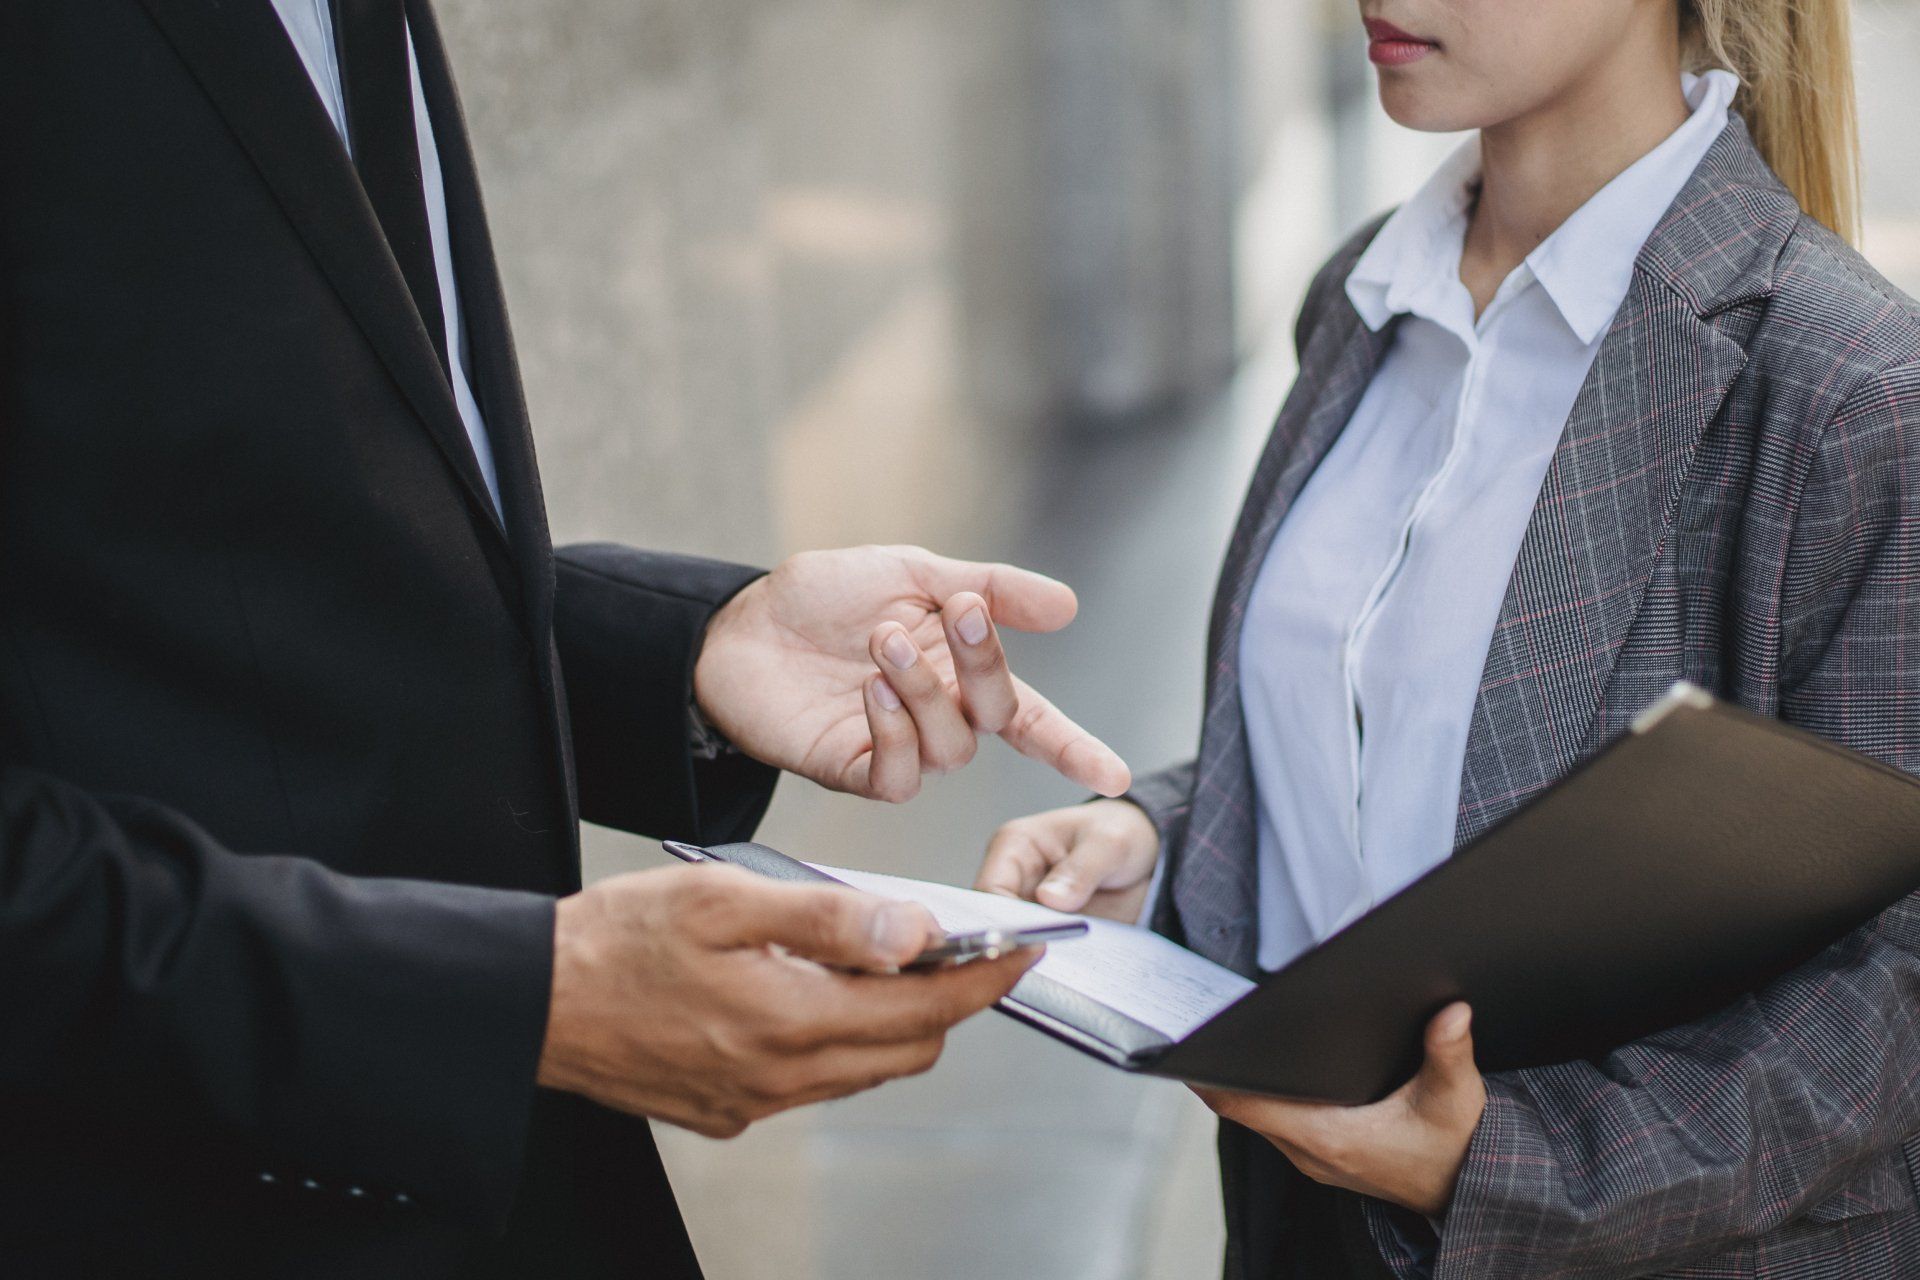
[(1406, 1148), (1094, 858), (788, 671), (703, 996)]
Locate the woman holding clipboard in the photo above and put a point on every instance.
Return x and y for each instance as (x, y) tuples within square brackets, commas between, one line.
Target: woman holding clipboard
[(1609, 403)]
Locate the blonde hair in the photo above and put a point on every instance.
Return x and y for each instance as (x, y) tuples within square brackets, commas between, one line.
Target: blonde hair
[(1795, 63)]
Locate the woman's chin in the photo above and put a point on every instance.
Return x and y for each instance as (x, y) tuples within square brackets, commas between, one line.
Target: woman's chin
[(1424, 108)]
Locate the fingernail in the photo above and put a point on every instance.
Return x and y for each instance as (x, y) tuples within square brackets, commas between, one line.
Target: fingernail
[(899, 650), (897, 932), (1058, 888), (973, 627), (884, 695)]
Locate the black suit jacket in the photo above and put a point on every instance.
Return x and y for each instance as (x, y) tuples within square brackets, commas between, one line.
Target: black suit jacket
[(295, 734)]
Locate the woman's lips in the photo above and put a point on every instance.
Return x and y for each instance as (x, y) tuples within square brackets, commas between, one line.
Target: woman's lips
[(1389, 46)]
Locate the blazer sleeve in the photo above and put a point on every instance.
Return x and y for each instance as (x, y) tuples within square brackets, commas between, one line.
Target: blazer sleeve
[(374, 1033), (1794, 1102), (628, 625), (1167, 799)]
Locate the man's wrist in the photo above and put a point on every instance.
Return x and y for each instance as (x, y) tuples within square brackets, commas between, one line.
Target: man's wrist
[(707, 740), (704, 740), (558, 1054)]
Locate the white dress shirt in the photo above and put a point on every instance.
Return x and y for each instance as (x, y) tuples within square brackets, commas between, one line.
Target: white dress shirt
[(1369, 622), (309, 24)]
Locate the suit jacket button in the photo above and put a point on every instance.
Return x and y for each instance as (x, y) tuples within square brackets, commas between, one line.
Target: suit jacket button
[(310, 1184), (402, 1199), (356, 1192), (267, 1178)]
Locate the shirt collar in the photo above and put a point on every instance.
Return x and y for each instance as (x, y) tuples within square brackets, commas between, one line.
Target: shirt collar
[(1585, 266), (1417, 249)]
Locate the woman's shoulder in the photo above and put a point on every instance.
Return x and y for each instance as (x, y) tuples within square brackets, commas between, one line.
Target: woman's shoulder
[(1829, 308), (1833, 368)]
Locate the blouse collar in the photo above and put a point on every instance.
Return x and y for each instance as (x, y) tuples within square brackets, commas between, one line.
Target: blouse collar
[(1585, 266)]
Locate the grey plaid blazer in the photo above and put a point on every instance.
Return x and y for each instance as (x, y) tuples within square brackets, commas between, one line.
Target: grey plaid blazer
[(1735, 501)]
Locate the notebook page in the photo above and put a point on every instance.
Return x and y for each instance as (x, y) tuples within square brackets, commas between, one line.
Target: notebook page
[(1129, 969)]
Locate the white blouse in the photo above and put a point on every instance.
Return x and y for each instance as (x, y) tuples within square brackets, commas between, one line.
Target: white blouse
[(1369, 623)]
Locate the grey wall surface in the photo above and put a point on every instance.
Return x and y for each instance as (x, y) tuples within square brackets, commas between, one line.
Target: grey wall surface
[(712, 211)]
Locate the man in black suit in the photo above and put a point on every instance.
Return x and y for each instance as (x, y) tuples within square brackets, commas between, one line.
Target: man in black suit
[(299, 711)]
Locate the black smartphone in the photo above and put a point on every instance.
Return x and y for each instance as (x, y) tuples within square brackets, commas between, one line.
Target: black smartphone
[(990, 944), (955, 948)]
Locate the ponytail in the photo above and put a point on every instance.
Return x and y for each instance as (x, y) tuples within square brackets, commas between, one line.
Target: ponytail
[(1795, 63)]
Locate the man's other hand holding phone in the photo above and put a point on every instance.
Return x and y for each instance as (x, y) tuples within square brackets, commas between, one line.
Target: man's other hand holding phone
[(709, 997)]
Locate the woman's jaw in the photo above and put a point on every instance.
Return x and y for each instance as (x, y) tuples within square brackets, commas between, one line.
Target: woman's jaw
[(1450, 65)]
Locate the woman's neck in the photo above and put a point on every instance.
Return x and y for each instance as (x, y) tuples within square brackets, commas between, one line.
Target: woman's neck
[(1537, 169)]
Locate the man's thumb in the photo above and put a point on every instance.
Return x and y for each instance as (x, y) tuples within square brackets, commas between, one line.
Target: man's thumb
[(830, 924)]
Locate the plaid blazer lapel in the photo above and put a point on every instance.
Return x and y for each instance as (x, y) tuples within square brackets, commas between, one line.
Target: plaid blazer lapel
[(1213, 876), (1611, 491)]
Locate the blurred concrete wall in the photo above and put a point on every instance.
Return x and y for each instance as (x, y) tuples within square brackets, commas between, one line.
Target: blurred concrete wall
[(728, 225), (1096, 173)]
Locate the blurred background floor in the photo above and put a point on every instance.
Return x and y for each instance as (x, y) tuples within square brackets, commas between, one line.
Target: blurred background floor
[(1012, 279)]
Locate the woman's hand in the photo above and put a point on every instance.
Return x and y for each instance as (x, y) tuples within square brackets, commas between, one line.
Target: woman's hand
[(1406, 1148), (1095, 858)]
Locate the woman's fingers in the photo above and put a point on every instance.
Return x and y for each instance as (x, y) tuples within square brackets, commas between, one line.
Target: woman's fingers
[(987, 695), (1018, 859), (1060, 859), (1094, 857), (947, 741)]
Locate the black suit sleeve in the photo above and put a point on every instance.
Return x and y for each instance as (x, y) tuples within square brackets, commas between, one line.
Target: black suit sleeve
[(629, 625), (382, 1033)]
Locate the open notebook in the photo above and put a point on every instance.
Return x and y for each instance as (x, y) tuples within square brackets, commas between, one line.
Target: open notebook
[(1701, 855), (1117, 992)]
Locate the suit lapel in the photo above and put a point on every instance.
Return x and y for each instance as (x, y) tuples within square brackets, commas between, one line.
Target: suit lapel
[(248, 67), (1590, 546), (1214, 877), (494, 372), (1613, 488), (493, 367)]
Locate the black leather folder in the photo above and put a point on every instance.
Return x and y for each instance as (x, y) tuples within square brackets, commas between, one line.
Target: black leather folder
[(1701, 855)]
